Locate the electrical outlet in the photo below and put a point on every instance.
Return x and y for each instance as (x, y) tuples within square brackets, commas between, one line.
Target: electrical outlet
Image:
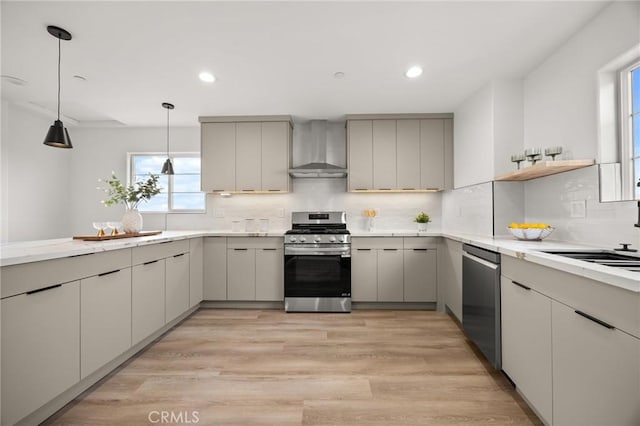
[(280, 212), (578, 209), (218, 213)]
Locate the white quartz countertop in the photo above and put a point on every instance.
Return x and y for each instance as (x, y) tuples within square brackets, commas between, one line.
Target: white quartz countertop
[(34, 251)]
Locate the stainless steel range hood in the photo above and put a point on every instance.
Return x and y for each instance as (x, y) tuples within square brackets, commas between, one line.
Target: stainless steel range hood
[(312, 141)]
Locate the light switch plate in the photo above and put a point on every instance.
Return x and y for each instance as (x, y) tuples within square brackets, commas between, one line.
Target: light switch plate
[(218, 213), (578, 209), (280, 212)]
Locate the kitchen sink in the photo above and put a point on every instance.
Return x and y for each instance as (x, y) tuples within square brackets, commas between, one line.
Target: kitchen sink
[(602, 257)]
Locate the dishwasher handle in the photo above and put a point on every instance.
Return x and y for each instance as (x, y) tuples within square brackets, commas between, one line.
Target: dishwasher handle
[(483, 262)]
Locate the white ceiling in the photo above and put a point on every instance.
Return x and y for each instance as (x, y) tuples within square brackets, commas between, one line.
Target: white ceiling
[(272, 57)]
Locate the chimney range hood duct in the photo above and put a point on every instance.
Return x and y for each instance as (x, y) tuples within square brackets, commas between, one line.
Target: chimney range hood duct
[(316, 146)]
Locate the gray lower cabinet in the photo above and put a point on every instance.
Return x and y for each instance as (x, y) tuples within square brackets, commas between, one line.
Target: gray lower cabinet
[(241, 274), (390, 275), (269, 274), (420, 275), (364, 274), (526, 344), (215, 268), (569, 346), (176, 285), (450, 277), (40, 348), (147, 299), (596, 372), (255, 269), (196, 270), (105, 306), (394, 269)]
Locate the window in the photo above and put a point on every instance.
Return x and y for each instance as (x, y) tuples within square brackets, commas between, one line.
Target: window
[(630, 108), (180, 192)]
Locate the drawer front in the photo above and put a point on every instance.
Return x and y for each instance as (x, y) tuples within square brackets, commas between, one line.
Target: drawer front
[(420, 242), (140, 255), (17, 279), (255, 242), (377, 243), (614, 305)]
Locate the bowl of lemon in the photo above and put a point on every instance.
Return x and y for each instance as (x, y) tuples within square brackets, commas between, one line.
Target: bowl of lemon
[(530, 231)]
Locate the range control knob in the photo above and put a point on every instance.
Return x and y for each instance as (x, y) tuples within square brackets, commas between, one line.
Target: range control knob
[(317, 239), (292, 239), (303, 239), (332, 239)]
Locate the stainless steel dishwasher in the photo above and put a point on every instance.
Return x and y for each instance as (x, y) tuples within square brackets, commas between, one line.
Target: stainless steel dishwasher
[(481, 301)]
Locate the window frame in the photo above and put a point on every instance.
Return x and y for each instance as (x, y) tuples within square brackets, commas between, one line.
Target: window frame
[(630, 176), (170, 209)]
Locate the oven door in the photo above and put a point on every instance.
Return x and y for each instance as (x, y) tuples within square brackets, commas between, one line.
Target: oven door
[(317, 282)]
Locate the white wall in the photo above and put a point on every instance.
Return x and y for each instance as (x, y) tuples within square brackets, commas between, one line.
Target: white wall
[(99, 151), (549, 200), (473, 143), (560, 95), (469, 210), (35, 178), (488, 129)]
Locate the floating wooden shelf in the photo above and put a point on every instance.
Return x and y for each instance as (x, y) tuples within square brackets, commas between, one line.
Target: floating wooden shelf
[(545, 168), (115, 237)]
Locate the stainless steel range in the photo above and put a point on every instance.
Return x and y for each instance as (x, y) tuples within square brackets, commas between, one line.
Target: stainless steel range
[(317, 263)]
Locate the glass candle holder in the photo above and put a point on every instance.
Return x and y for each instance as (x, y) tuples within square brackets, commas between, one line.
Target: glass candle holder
[(517, 158), (552, 151)]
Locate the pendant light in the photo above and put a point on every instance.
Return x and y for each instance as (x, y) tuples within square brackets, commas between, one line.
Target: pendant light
[(58, 136), (167, 167)]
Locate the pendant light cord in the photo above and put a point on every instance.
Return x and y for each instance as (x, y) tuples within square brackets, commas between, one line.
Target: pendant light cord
[(167, 132), (59, 56)]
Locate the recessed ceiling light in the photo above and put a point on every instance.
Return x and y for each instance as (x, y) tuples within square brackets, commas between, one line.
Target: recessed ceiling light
[(414, 72), (207, 77), (338, 74)]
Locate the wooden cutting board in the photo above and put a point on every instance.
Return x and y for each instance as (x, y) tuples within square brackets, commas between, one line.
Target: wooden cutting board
[(115, 237)]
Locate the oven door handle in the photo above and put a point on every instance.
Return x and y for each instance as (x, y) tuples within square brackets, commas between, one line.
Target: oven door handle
[(316, 251)]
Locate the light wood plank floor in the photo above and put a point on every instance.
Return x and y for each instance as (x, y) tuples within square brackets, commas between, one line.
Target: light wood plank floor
[(246, 367)]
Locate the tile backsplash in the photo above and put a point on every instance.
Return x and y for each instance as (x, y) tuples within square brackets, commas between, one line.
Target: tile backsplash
[(395, 211)]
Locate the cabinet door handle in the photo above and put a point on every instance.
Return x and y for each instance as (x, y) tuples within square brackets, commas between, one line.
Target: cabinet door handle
[(150, 262), (419, 249), (165, 242), (596, 320), (384, 189), (240, 249), (361, 189), (521, 285), (274, 190), (84, 254), (433, 189), (44, 289), (108, 273), (178, 255), (248, 190), (269, 249), (364, 249), (390, 249), (408, 189)]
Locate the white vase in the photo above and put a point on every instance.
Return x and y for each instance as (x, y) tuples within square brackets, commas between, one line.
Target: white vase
[(131, 221), (422, 227)]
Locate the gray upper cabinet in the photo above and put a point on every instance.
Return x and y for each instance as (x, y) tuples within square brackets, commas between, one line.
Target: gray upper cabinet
[(360, 154), (246, 154), (384, 154), (218, 151), (400, 152), (408, 163)]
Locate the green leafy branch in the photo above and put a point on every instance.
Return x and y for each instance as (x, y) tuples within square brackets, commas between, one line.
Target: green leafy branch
[(130, 195)]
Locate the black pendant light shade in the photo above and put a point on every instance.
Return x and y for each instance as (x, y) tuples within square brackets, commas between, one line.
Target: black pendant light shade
[(167, 167), (58, 136)]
